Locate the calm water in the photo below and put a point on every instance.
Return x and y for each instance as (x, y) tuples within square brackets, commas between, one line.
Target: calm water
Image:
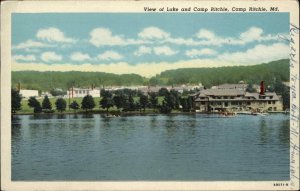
[(163, 147)]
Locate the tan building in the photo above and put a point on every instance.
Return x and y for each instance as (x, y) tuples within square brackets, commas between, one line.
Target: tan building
[(214, 100)]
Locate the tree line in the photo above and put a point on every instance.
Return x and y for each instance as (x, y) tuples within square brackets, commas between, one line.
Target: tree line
[(122, 100)]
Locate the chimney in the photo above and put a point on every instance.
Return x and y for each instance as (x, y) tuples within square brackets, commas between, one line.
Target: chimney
[(262, 88)]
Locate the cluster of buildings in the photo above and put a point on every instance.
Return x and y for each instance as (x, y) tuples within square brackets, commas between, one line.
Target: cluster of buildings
[(235, 98)]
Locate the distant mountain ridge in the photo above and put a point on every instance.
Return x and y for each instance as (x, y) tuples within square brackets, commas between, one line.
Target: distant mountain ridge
[(207, 76), (231, 74)]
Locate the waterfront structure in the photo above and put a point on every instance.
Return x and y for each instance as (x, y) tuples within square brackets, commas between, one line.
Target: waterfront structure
[(81, 92), (236, 99), (29, 93)]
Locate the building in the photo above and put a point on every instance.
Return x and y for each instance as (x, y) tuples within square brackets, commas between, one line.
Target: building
[(235, 99), (81, 92), (29, 93)]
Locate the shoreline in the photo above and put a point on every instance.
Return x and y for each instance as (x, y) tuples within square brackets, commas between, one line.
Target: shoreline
[(119, 113)]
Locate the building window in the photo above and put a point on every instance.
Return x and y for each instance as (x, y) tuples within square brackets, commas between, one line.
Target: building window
[(273, 102), (269, 102), (275, 108), (249, 103)]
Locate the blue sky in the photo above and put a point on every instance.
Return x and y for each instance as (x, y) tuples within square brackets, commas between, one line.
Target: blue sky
[(145, 43)]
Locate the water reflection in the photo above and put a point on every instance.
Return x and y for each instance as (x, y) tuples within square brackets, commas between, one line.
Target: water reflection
[(153, 122), (42, 116), (87, 116), (284, 132), (61, 116), (264, 131)]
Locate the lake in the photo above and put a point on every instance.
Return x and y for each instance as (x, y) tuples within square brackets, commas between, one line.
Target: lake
[(191, 147)]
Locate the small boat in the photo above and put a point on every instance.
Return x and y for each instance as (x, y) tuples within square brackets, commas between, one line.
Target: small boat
[(244, 112), (259, 114), (228, 114)]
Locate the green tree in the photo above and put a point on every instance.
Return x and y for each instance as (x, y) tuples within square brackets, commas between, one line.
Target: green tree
[(88, 103), (131, 105), (15, 101), (153, 100), (74, 105), (186, 104), (61, 104), (143, 101), (250, 88), (37, 108), (35, 104), (164, 108), (163, 91), (58, 92), (119, 101), (46, 105), (175, 99), (106, 103)]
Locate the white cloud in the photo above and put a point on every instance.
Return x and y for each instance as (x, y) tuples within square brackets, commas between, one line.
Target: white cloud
[(24, 57), (164, 50), (53, 35), (50, 56), (153, 33), (260, 53), (79, 56), (252, 34), (110, 55), (200, 52), (205, 34), (142, 50), (103, 37), (144, 69), (30, 44)]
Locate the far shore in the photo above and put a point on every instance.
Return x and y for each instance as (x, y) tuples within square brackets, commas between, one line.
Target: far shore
[(120, 113)]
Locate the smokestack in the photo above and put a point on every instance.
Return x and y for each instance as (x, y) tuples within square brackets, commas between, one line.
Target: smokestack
[(262, 88)]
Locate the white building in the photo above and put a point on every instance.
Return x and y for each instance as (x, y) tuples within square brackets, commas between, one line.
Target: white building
[(81, 92), (29, 93)]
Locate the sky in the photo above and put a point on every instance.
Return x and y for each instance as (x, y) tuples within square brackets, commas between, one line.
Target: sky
[(145, 43)]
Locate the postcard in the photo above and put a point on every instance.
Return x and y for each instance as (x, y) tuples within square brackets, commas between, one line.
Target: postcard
[(150, 95)]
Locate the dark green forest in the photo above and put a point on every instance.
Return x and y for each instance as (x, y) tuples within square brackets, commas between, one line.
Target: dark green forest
[(213, 76), (50, 80), (268, 72)]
